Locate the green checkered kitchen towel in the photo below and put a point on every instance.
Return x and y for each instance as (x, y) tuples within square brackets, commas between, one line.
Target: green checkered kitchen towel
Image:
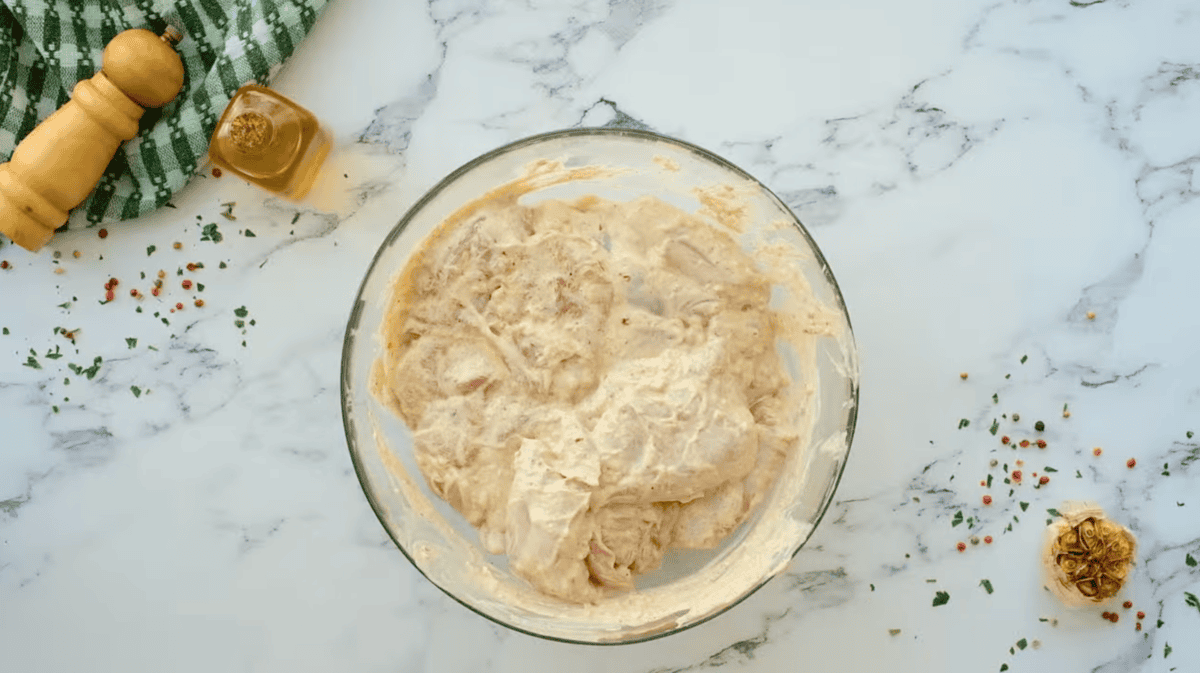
[(47, 46)]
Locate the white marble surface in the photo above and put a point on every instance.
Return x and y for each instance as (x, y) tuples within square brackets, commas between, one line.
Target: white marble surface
[(980, 175)]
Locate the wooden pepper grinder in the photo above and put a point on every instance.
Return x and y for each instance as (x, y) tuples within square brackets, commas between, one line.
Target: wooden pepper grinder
[(59, 163)]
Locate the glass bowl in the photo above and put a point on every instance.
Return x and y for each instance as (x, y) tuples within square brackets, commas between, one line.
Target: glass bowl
[(691, 586)]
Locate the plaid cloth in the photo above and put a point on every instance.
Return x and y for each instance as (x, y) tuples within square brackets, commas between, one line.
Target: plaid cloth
[(47, 46)]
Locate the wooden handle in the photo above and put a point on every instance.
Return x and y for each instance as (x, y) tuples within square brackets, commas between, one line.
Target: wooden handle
[(59, 163)]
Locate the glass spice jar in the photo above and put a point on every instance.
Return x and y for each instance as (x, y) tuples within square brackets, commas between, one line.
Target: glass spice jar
[(269, 140)]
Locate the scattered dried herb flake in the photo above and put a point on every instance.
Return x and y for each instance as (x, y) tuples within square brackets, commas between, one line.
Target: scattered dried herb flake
[(1191, 600), (210, 233), (987, 585), (940, 598)]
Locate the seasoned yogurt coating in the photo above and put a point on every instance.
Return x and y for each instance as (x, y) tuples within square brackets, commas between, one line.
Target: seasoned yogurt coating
[(589, 383)]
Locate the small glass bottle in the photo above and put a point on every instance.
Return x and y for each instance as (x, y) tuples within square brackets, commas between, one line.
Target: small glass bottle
[(269, 140)]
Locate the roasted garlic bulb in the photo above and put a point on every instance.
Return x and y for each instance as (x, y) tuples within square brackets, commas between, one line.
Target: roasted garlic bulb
[(1087, 557)]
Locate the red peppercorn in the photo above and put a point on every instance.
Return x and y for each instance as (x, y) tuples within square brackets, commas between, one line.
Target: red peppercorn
[(179, 306), (987, 499), (191, 266), (109, 296), (1105, 614), (1131, 463), (1041, 443), (133, 292), (199, 303), (1114, 618), (987, 539), (187, 284), (1024, 443), (103, 233), (1141, 615), (1044, 480), (982, 482), (1004, 439), (4, 264), (113, 282), (216, 172), (1097, 451), (1127, 604), (1016, 475), (962, 546), (154, 291), (1137, 627)]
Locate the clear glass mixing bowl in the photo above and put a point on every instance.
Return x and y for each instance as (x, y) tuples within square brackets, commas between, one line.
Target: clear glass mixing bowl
[(691, 586)]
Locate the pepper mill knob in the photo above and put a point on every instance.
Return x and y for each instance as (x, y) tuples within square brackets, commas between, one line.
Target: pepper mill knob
[(145, 66), (59, 163)]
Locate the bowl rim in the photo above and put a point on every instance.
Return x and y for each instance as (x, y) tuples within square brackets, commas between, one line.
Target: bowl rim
[(355, 318)]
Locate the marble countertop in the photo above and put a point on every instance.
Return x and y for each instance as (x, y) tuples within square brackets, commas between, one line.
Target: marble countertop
[(1004, 189)]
